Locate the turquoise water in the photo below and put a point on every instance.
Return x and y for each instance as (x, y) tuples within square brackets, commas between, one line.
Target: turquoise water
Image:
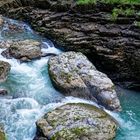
[(31, 93), (129, 118)]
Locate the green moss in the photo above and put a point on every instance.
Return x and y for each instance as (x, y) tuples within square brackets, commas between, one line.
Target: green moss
[(78, 131), (121, 1), (66, 76), (70, 134), (120, 11), (82, 2), (137, 23)]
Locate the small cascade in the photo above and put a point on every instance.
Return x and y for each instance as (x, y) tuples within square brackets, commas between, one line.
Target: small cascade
[(28, 85)]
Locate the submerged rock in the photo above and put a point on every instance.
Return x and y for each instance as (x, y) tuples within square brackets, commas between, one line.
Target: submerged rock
[(76, 122), (4, 70), (73, 74), (24, 50), (3, 92)]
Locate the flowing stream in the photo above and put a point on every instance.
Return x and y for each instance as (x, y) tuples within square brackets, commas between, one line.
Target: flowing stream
[(31, 93)]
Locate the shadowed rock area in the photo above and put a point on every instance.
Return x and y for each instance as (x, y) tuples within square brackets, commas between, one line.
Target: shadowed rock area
[(76, 122)]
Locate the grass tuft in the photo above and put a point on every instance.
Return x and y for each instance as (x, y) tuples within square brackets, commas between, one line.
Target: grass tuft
[(109, 1)]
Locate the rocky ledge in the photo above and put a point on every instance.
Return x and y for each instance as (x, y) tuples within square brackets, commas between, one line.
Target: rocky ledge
[(76, 122), (107, 35), (74, 75)]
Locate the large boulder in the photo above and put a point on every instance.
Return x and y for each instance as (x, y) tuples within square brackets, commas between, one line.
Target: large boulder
[(76, 122), (74, 75), (24, 50), (4, 70)]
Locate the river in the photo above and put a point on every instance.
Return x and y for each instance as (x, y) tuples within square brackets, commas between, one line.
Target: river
[(31, 93)]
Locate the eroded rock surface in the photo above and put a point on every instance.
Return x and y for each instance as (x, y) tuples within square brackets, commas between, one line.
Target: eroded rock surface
[(73, 74), (4, 70), (76, 122)]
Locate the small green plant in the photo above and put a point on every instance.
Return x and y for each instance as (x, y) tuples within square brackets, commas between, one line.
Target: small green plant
[(137, 23), (121, 1), (129, 12), (82, 2)]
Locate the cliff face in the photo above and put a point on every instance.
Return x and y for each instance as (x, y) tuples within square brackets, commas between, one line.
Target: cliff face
[(108, 36)]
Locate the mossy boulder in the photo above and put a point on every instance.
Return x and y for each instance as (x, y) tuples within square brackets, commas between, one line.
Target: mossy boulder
[(76, 121), (4, 70), (74, 75)]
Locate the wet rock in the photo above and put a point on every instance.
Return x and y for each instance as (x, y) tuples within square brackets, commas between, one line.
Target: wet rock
[(2, 134), (74, 75), (76, 122), (4, 70), (3, 92), (5, 44), (6, 54), (1, 21), (24, 50)]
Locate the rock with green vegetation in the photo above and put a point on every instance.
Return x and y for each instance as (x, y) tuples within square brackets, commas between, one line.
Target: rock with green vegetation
[(2, 134), (74, 75), (24, 50), (76, 121), (4, 70)]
